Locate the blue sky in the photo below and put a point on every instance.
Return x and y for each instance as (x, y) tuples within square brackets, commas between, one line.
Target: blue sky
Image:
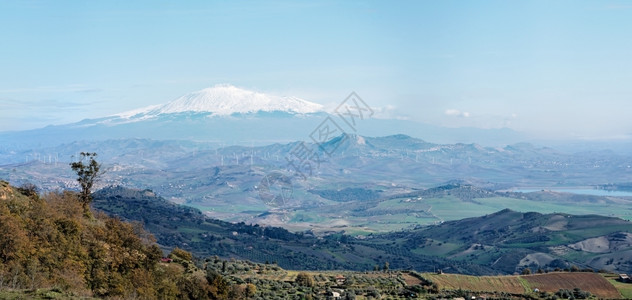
[(554, 69)]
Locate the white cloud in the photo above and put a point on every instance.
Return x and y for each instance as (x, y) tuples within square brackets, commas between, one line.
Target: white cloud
[(457, 113), (387, 112)]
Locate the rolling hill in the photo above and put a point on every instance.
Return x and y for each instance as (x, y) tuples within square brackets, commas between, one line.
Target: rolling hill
[(181, 226), (508, 241), (504, 242), (52, 246)]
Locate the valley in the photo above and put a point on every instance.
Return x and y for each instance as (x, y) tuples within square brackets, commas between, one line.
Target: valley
[(367, 185), (394, 265), (502, 242)]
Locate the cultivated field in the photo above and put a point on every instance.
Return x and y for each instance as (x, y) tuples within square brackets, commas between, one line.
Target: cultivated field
[(592, 282), (509, 284), (551, 282), (624, 288)]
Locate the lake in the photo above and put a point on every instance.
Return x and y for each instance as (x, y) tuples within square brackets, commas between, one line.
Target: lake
[(583, 191)]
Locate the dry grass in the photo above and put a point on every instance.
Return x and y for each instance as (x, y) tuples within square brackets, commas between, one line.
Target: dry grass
[(410, 280)]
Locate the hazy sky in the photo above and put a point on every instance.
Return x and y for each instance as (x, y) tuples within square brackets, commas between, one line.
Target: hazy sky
[(552, 68)]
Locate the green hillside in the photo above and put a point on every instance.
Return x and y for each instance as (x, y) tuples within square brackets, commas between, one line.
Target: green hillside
[(509, 241), (504, 242), (186, 227)]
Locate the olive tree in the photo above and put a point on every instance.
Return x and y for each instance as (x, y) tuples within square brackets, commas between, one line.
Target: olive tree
[(304, 279)]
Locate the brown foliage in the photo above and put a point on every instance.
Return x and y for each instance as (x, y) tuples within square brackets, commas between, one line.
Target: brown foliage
[(304, 279), (51, 242), (181, 254)]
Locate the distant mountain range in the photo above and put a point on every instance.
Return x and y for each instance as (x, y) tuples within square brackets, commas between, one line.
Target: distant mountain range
[(410, 158), (225, 180), (227, 115)]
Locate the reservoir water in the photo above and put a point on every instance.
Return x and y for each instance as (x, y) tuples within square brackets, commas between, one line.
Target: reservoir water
[(583, 191)]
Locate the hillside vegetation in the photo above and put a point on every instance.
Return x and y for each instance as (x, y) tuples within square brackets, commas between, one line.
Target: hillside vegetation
[(50, 248)]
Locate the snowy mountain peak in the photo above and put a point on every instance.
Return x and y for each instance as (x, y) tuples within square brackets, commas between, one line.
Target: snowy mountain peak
[(227, 100)]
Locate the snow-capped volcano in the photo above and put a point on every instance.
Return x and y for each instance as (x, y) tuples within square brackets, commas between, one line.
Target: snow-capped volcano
[(227, 100)]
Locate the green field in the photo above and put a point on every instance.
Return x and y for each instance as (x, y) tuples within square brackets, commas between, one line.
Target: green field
[(401, 213), (624, 288)]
